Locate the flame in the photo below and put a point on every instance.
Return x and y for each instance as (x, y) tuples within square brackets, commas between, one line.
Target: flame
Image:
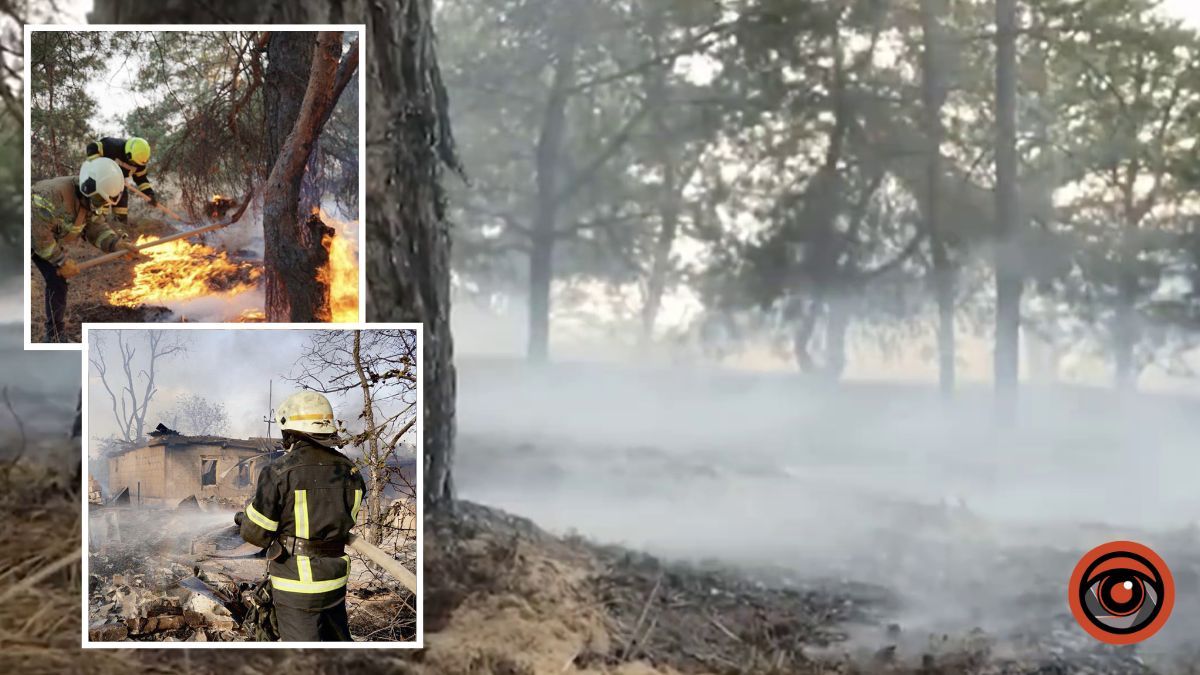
[(342, 271), (251, 315), (180, 270)]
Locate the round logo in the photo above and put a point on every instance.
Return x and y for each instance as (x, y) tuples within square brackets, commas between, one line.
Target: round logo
[(1121, 592)]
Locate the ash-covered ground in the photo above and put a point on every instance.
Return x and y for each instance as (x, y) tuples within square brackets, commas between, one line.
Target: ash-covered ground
[(965, 532)]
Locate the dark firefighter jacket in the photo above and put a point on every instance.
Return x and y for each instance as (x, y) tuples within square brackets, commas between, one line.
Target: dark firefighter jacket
[(60, 212), (311, 493), (114, 149)]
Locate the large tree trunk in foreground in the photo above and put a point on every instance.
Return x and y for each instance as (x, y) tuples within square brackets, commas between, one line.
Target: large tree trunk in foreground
[(1008, 277), (408, 241), (409, 139), (294, 242)]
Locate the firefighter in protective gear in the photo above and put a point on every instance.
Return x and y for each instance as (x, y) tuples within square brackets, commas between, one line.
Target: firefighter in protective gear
[(64, 209), (132, 154), (304, 506)]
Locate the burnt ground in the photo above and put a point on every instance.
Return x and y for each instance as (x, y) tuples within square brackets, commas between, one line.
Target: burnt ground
[(158, 575), (503, 596)]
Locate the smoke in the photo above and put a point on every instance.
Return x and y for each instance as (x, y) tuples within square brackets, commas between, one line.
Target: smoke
[(968, 524), (215, 308)]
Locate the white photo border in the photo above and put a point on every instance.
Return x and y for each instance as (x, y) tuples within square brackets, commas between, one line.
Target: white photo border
[(26, 285), (419, 643)]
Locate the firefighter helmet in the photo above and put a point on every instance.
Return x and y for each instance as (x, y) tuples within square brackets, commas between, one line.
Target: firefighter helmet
[(307, 412), (137, 150), (101, 181)]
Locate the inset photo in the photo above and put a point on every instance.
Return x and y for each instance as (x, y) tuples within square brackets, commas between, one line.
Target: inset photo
[(185, 175), (250, 486)]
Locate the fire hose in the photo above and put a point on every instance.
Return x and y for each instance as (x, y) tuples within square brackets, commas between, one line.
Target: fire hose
[(109, 257), (385, 561)]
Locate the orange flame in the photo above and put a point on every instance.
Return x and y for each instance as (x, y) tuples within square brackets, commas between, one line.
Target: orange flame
[(180, 270), (342, 271)]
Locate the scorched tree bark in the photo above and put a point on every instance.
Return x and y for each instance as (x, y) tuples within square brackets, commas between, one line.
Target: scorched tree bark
[(295, 248)]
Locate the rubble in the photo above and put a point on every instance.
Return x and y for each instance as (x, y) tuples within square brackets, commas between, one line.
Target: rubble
[(167, 582)]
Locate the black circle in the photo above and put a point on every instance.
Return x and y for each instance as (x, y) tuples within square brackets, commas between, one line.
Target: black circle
[(1137, 592), (1156, 583)]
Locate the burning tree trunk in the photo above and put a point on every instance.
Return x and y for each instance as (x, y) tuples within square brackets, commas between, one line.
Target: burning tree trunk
[(408, 243), (295, 248)]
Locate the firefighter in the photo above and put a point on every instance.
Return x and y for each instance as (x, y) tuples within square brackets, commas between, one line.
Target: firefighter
[(132, 154), (304, 505), (63, 209)]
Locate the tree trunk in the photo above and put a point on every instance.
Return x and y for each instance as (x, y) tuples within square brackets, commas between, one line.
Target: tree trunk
[(1008, 277), (837, 323), (55, 164), (289, 64), (295, 248), (933, 96), (77, 425), (1124, 337), (375, 463), (407, 241), (669, 193), (549, 152)]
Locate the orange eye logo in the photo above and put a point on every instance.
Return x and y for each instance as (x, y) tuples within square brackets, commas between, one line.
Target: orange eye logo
[(1121, 592)]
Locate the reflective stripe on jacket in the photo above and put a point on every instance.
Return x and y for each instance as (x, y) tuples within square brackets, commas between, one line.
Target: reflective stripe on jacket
[(312, 493), (115, 149)]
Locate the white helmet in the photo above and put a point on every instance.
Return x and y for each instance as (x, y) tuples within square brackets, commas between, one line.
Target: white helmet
[(308, 413), (101, 181)]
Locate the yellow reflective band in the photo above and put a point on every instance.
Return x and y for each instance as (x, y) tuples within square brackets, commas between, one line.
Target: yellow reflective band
[(144, 186), (305, 583), (104, 236), (261, 520), (301, 513), (46, 252), (93, 155), (357, 503), (294, 586), (121, 210), (311, 416)]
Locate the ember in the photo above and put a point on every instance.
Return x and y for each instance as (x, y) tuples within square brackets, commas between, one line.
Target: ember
[(219, 205), (181, 270)]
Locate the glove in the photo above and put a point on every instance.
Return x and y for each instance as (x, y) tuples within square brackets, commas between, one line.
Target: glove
[(153, 197), (127, 245), (68, 269), (238, 518)]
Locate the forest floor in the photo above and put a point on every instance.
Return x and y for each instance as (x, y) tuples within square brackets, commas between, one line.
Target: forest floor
[(504, 597)]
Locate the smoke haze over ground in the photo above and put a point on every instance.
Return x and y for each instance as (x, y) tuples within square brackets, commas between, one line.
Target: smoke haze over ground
[(968, 525)]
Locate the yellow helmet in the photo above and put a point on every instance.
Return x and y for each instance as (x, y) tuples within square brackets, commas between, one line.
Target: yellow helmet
[(137, 150), (306, 412)]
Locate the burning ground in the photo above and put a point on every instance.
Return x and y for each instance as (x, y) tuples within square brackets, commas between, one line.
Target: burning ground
[(215, 277)]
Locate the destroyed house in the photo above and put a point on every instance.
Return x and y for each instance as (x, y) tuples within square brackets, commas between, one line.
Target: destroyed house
[(172, 467)]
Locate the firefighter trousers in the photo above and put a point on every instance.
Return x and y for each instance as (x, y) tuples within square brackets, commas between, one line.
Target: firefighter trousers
[(56, 302), (313, 625)]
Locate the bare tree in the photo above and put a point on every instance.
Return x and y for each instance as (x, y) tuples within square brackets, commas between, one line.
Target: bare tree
[(132, 389), (197, 416), (380, 367)]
